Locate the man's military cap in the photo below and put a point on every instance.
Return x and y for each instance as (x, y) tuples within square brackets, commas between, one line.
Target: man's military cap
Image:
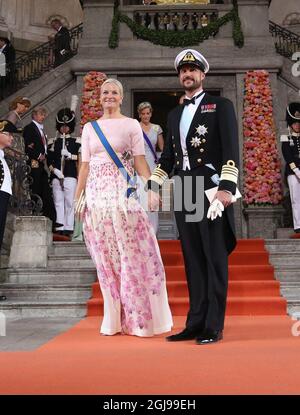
[(293, 113), (191, 57)]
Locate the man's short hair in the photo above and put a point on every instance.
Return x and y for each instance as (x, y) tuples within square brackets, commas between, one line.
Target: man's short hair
[(56, 20), (39, 110)]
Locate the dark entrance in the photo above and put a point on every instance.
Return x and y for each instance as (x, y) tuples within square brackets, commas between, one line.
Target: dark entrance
[(162, 102)]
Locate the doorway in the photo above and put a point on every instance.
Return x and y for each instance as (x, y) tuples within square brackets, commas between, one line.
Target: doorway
[(162, 102)]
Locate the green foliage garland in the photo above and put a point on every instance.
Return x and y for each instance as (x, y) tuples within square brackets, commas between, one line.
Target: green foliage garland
[(174, 39)]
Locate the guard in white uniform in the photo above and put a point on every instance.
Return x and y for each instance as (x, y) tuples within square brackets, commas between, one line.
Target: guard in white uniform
[(291, 154), (6, 139), (63, 154)]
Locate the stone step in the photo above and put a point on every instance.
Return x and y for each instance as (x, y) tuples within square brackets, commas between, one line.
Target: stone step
[(64, 261), (61, 292), (283, 245), (293, 307), (286, 273), (53, 276), (285, 258), (24, 309), (68, 248), (284, 233)]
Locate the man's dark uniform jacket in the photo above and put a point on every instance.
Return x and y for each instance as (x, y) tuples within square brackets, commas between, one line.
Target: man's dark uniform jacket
[(54, 155), (212, 147), (219, 147), (62, 42), (34, 147), (291, 152)]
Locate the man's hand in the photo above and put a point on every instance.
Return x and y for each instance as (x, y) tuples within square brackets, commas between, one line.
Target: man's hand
[(215, 209), (66, 153), (41, 157), (297, 173), (58, 173), (153, 201), (224, 197)]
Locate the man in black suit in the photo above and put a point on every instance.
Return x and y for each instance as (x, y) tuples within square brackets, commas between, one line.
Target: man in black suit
[(62, 43), (202, 141), (36, 148), (9, 53)]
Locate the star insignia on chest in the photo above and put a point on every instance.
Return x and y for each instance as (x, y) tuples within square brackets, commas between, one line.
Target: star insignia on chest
[(195, 141), (201, 130)]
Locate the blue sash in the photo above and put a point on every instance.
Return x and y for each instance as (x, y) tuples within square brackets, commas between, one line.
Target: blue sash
[(131, 180), (147, 139)]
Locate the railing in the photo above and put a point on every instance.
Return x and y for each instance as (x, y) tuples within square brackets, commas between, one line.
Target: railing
[(35, 63), (178, 20), (286, 42), (22, 202)]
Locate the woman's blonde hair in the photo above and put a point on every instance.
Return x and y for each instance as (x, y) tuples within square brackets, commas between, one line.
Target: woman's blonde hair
[(115, 82), (143, 105), (19, 100)]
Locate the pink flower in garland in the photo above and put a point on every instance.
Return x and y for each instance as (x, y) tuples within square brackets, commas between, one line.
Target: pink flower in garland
[(262, 178), (90, 104)]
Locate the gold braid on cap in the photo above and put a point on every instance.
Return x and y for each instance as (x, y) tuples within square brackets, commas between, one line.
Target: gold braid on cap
[(158, 175), (2, 125), (188, 57), (230, 172)]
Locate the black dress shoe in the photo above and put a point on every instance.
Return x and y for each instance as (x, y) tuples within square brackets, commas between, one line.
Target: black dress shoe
[(297, 230), (209, 336), (185, 334)]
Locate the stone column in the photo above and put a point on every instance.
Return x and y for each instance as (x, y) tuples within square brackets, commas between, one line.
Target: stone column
[(263, 221), (31, 241), (254, 15)]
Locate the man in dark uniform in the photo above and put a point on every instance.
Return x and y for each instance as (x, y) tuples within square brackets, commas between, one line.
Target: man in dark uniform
[(202, 140), (291, 154), (6, 138), (62, 43), (36, 149), (9, 53), (63, 154)]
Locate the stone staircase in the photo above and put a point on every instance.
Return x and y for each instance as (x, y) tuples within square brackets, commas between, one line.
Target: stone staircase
[(60, 290), (285, 257), (63, 288)]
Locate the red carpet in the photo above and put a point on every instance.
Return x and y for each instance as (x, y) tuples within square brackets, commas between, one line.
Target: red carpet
[(253, 289), (259, 353)]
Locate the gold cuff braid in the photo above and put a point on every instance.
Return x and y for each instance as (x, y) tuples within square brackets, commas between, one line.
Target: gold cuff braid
[(158, 175), (229, 172)]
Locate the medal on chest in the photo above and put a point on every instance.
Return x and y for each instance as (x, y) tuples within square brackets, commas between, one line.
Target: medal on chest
[(201, 130)]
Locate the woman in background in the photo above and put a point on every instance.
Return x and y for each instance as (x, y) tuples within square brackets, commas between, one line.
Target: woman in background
[(153, 139)]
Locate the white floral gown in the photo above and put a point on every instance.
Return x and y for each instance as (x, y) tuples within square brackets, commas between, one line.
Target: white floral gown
[(120, 238)]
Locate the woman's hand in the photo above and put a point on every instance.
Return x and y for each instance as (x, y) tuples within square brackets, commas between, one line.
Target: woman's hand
[(153, 201)]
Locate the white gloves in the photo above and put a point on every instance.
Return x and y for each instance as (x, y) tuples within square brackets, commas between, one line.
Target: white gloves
[(216, 208), (58, 173), (66, 153), (297, 172)]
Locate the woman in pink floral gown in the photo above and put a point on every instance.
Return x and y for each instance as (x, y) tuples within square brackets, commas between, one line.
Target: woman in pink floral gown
[(117, 231)]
